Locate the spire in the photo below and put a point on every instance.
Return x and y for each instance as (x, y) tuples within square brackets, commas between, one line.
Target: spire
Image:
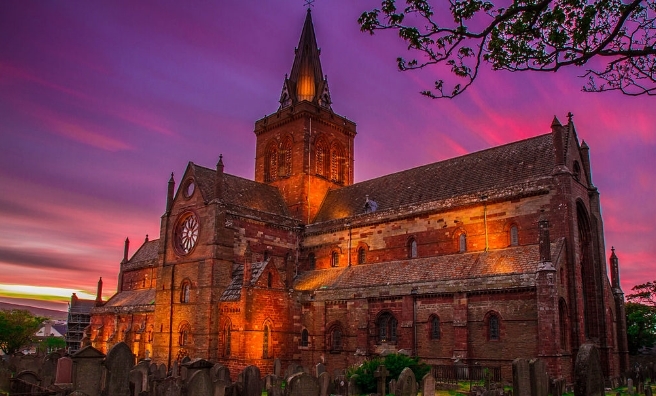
[(306, 80)]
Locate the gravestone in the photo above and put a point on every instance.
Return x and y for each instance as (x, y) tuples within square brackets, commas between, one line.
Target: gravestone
[(274, 387), (521, 378), (406, 384), (175, 369), (64, 373), (640, 389), (648, 390), (381, 374), (629, 386), (539, 377), (144, 368), (252, 381), (324, 383), (428, 384), (88, 370), (24, 383), (169, 387), (220, 372), (318, 369), (557, 387), (277, 367), (161, 371), (49, 369), (340, 385), (292, 369), (199, 384), (353, 388), (118, 364), (391, 389), (302, 384), (588, 376), (136, 381), (220, 388)]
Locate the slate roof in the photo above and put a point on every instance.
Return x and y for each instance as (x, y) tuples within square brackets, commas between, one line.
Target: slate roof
[(241, 192), (144, 256), (233, 291), (461, 266), (130, 300), (490, 170)]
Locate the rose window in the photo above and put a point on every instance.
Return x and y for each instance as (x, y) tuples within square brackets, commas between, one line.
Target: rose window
[(187, 234)]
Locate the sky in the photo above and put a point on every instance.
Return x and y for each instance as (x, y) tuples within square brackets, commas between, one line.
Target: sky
[(100, 101)]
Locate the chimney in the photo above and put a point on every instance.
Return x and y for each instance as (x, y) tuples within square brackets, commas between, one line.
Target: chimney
[(169, 195), (125, 251), (99, 300), (218, 181)]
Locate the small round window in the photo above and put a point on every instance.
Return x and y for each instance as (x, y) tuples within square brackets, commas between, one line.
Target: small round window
[(189, 188), (186, 233)]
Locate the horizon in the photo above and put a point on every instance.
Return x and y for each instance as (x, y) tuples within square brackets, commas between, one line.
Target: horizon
[(103, 101)]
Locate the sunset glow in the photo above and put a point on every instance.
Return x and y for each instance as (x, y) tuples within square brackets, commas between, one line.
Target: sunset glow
[(101, 101)]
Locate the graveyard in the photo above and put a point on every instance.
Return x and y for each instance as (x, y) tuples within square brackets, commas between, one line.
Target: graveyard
[(89, 372)]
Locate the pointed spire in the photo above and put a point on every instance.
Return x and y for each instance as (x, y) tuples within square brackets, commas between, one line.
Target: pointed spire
[(169, 195), (306, 80), (126, 249), (99, 292), (218, 182), (555, 122)]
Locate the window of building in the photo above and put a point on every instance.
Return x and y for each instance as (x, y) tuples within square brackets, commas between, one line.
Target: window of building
[(337, 163), (386, 328), (462, 243), (336, 339), (265, 255), (227, 336), (576, 171), (271, 163), (321, 160), (334, 259), (265, 343), (285, 161), (312, 261), (493, 327), (412, 248), (362, 255), (269, 280), (514, 236), (183, 337), (304, 338), (185, 292), (435, 333)]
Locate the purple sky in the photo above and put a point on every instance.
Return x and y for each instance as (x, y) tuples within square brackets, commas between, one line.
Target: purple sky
[(100, 101)]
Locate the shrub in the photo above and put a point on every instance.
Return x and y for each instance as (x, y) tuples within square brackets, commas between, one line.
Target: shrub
[(395, 363)]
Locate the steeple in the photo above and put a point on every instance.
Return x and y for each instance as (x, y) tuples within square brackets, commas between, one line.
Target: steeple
[(306, 80)]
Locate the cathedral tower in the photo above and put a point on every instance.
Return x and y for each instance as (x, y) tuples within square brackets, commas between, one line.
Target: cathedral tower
[(305, 149)]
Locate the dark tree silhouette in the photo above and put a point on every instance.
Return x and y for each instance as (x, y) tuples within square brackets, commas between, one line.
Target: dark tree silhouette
[(614, 40)]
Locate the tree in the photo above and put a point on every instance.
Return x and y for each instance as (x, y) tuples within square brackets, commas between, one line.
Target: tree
[(614, 39), (644, 293), (17, 329), (640, 326), (51, 343), (395, 363)]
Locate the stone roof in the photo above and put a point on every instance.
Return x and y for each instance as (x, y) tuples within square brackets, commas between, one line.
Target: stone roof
[(240, 192), (145, 255), (128, 301), (437, 270), (233, 291), (490, 172)]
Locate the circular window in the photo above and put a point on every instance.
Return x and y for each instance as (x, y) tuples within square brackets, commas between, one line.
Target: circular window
[(186, 233), (189, 188)]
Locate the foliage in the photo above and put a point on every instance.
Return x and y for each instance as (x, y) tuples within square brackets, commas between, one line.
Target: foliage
[(640, 326), (17, 329), (395, 363), (644, 294), (614, 39), (52, 343)]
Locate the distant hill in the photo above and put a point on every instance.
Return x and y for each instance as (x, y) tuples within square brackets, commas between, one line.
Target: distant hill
[(48, 313)]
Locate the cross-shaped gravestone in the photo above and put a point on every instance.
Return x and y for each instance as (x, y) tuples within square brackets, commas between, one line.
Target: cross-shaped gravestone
[(381, 373)]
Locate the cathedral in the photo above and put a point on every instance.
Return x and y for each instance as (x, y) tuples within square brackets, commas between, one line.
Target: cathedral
[(475, 260)]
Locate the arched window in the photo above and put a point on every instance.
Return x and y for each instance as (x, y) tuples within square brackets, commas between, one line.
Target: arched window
[(271, 163), (265, 343), (227, 337), (462, 243), (312, 261), (435, 333), (336, 338), (514, 235), (304, 338), (185, 292), (337, 163), (285, 162), (269, 280), (183, 337), (412, 248), (334, 259), (321, 159), (386, 328), (362, 255), (493, 327)]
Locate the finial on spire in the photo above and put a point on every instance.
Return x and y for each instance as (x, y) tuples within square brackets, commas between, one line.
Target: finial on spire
[(569, 117), (309, 5)]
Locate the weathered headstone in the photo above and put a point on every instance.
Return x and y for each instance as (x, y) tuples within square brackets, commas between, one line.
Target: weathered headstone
[(381, 374), (557, 387), (641, 387), (220, 388), (428, 385), (273, 385), (406, 384), (353, 388), (588, 376), (199, 384), (175, 369), (169, 387), (539, 377), (648, 391), (521, 378), (277, 367), (49, 369), (324, 383), (302, 384), (88, 370), (292, 369), (64, 374), (220, 372), (629, 386), (252, 381), (391, 389), (136, 381), (318, 369), (118, 364)]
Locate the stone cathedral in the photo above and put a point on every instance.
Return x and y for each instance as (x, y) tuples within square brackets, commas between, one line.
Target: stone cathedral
[(479, 259)]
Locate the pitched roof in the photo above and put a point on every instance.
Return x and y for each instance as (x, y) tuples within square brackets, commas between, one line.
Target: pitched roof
[(233, 291), (240, 192), (145, 255), (490, 171), (130, 300), (461, 268)]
